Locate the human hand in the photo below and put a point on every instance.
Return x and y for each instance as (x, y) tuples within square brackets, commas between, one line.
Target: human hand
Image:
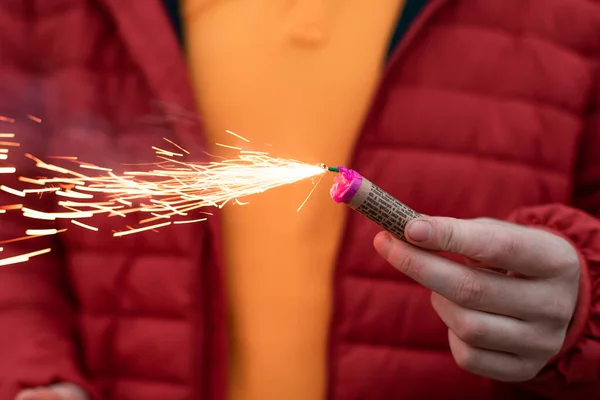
[(61, 391), (506, 325)]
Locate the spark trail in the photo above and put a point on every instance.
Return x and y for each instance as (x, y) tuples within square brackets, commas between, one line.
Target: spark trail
[(169, 191)]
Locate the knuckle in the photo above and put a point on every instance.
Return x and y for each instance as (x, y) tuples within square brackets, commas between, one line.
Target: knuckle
[(552, 347), (563, 253), (447, 239), (508, 245), (494, 221), (563, 313), (470, 330), (468, 291), (468, 360), (496, 246), (528, 371), (569, 261), (505, 244), (558, 255), (483, 252), (405, 263), (539, 341), (465, 360), (558, 311)]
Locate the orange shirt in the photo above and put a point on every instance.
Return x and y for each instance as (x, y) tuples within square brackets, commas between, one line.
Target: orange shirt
[(298, 75)]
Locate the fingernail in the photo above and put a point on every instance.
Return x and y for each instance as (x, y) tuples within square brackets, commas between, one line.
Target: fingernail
[(383, 243), (419, 230)]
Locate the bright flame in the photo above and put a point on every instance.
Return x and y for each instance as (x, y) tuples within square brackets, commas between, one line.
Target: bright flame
[(164, 192)]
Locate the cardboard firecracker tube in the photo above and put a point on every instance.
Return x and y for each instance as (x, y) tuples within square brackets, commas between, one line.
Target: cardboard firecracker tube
[(371, 201)]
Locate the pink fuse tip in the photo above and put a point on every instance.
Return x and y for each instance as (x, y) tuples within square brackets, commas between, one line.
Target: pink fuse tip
[(345, 185)]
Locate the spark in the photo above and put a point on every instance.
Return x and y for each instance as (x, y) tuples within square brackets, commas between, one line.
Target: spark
[(145, 228), (12, 191), (43, 190), (238, 136), (34, 118), (60, 215), (36, 215), (33, 181), (43, 232), (191, 221), (17, 239), (63, 157), (310, 194), (169, 191), (89, 166), (228, 146), (74, 195), (23, 257), (165, 152), (12, 207), (81, 224), (176, 145)]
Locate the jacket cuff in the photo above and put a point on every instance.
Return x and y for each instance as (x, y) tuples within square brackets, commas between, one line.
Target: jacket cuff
[(579, 359)]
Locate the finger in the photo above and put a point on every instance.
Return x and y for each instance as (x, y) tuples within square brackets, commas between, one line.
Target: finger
[(474, 263), (469, 287), (39, 394), (491, 364), (478, 264), (495, 332), (531, 252)]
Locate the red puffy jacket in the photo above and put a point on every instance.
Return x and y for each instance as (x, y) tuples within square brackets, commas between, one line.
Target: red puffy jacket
[(487, 108)]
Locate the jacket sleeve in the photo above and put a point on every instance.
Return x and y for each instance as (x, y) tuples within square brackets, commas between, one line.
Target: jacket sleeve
[(37, 321), (37, 324), (575, 372)]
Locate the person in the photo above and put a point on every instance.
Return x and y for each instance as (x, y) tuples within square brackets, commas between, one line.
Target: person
[(481, 115)]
